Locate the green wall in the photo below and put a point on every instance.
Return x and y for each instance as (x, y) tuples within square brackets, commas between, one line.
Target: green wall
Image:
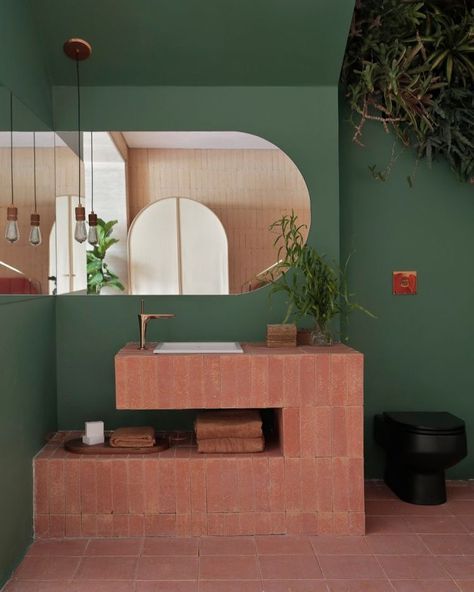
[(90, 330), (27, 413), (419, 353), (22, 65)]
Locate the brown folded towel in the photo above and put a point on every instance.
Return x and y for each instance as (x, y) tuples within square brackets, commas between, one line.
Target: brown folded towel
[(133, 437), (228, 424), (233, 445)]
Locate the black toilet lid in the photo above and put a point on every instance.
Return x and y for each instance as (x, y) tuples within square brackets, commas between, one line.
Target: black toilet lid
[(426, 421)]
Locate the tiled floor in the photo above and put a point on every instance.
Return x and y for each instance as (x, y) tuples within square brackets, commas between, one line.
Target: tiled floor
[(407, 549)]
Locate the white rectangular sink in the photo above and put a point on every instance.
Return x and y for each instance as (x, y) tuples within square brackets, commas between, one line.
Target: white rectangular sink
[(198, 347)]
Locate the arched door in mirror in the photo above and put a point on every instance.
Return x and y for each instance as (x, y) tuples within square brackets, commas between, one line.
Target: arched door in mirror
[(177, 245)]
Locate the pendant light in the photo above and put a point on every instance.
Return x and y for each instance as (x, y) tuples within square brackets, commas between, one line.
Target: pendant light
[(79, 50), (35, 231), (92, 236), (12, 234)]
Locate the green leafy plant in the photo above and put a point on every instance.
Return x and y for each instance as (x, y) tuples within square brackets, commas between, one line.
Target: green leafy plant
[(312, 286), (408, 66), (99, 274)]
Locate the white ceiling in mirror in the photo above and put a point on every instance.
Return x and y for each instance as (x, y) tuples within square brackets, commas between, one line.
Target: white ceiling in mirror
[(197, 140)]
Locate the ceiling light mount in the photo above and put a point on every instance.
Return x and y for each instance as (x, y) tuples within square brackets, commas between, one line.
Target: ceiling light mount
[(77, 49)]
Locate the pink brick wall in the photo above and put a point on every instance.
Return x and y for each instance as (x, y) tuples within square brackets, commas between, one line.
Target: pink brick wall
[(312, 483)]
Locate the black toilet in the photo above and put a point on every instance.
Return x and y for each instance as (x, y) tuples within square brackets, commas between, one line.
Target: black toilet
[(419, 447)]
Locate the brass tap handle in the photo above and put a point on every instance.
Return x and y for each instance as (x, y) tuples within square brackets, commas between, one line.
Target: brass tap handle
[(143, 319)]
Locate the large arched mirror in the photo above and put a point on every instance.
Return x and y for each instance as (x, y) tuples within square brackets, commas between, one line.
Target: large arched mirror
[(241, 182)]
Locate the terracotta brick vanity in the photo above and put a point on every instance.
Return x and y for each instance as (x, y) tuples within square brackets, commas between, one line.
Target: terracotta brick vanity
[(311, 481)]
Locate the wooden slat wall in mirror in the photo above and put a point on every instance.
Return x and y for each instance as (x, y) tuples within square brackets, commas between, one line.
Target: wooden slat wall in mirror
[(248, 189), (34, 261)]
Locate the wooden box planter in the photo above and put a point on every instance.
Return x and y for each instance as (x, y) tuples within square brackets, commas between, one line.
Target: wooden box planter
[(283, 335)]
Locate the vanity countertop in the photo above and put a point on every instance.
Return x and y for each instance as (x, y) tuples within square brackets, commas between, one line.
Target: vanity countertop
[(131, 349), (261, 377)]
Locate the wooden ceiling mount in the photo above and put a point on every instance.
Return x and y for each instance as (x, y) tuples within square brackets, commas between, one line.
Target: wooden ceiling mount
[(77, 49)]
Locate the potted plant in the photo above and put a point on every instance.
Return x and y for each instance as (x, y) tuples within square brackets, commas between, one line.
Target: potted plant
[(314, 289), (99, 274)]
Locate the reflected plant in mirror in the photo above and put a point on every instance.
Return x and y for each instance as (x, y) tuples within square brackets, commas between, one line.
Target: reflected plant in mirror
[(99, 275)]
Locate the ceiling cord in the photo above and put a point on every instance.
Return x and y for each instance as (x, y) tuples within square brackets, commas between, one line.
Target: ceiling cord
[(34, 169), (11, 149), (79, 136), (92, 172)]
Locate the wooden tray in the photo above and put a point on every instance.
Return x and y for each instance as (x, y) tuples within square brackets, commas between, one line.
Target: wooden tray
[(78, 447)]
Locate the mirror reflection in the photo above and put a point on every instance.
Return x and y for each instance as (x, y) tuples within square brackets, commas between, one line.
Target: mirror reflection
[(175, 212), (193, 209)]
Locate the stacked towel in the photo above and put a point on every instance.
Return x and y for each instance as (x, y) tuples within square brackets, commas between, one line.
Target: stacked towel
[(133, 437), (229, 431)]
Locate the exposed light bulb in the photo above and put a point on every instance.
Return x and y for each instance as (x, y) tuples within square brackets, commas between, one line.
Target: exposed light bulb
[(80, 232), (93, 237), (35, 231), (12, 234)]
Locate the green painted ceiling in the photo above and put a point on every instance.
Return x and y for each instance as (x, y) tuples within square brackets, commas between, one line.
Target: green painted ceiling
[(197, 42)]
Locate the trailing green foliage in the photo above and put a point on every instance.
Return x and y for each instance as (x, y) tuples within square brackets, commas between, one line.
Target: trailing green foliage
[(313, 288), (409, 66), (98, 273)]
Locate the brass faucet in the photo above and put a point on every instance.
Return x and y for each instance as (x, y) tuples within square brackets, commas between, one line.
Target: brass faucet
[(143, 319)]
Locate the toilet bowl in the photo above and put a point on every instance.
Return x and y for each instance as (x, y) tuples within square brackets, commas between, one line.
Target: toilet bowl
[(419, 447)]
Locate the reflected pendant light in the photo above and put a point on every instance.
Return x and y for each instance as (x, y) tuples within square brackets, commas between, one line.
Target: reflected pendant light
[(35, 231), (79, 50), (12, 234), (92, 236)]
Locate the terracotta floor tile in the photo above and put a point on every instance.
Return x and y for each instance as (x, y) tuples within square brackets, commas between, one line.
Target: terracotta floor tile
[(449, 544), (396, 544), (387, 524), (47, 568), (465, 585), (412, 567), (190, 586), (230, 567), (460, 492), (467, 522), (399, 508), (111, 547), (98, 586), (61, 547), (107, 568), (171, 546), (350, 567), (340, 545), (460, 568), (294, 586), (283, 545), (167, 568), (424, 586), (231, 586), (435, 524), (359, 586), (289, 567), (227, 546), (465, 507), (32, 586)]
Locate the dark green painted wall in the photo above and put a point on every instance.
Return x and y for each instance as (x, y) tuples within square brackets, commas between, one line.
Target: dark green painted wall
[(419, 353), (27, 413), (212, 42), (22, 60), (302, 121)]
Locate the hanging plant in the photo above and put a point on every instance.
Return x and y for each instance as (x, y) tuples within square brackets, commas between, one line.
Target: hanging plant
[(409, 66)]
